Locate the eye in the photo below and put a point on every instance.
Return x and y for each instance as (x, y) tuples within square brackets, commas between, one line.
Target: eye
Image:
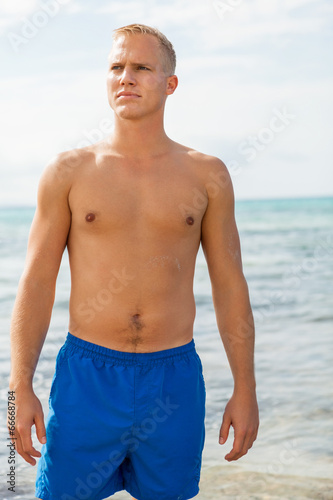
[(143, 67), (115, 67)]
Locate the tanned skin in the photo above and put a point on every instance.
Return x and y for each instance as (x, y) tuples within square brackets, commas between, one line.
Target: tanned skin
[(132, 210)]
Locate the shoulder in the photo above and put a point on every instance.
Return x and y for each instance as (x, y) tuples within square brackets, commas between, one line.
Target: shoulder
[(212, 170), (207, 163), (59, 174), (204, 161), (62, 168)]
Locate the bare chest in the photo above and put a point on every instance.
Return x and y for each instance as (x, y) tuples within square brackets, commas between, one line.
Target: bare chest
[(165, 198)]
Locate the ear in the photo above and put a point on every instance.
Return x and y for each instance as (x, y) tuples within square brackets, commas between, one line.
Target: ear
[(172, 84)]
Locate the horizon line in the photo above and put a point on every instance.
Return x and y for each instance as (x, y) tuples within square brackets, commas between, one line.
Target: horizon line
[(240, 199)]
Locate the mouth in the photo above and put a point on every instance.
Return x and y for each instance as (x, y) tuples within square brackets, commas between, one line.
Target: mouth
[(127, 95)]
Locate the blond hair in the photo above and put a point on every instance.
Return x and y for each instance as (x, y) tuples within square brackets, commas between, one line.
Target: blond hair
[(169, 54)]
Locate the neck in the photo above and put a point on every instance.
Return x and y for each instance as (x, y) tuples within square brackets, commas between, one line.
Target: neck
[(133, 138)]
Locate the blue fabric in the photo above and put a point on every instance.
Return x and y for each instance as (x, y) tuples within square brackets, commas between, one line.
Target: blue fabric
[(120, 420)]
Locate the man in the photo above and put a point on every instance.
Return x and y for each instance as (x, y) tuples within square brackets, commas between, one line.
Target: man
[(127, 400)]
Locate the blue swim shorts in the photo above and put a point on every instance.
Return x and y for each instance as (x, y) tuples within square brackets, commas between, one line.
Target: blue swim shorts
[(123, 421)]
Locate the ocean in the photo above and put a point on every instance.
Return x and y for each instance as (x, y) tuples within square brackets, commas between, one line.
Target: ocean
[(287, 249)]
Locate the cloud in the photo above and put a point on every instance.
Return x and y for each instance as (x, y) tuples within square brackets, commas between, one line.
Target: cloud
[(209, 26), (259, 20), (12, 12), (17, 8), (74, 7), (117, 7), (232, 73), (157, 13), (48, 115), (296, 4), (16, 14)]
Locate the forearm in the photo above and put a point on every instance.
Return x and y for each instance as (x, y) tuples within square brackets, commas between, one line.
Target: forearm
[(236, 327), (30, 322)]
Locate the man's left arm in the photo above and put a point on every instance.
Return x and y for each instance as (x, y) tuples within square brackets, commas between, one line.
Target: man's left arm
[(221, 246)]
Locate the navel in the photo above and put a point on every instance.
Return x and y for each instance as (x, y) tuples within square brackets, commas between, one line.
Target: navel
[(189, 221), (90, 217), (136, 321)]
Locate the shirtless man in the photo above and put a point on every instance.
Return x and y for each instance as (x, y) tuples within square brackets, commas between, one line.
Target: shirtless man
[(127, 401)]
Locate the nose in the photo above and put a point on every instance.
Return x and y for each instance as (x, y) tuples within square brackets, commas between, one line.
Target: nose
[(127, 77)]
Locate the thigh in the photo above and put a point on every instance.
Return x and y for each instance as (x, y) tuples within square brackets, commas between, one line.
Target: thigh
[(166, 459), (87, 416)]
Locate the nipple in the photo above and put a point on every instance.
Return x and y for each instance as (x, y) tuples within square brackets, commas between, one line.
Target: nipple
[(90, 217), (189, 221)]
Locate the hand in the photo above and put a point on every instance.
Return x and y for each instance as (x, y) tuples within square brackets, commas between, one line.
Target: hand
[(242, 414), (29, 412)]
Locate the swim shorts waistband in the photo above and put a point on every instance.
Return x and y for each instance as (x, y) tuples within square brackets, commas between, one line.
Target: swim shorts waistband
[(97, 351)]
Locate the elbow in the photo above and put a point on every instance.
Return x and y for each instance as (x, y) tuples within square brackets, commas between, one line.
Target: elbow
[(37, 283), (230, 287)]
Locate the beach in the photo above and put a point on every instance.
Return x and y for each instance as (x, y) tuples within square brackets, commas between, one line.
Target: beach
[(228, 483), (287, 248)]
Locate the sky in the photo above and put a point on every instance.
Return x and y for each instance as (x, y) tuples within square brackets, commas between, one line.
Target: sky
[(255, 87)]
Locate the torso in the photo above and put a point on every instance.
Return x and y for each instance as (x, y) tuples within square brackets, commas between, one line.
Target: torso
[(133, 241)]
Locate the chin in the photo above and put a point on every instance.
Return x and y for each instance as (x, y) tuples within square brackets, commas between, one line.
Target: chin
[(127, 114)]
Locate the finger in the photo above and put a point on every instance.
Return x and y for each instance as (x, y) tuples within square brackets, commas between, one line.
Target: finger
[(250, 437), (19, 449), (238, 449), (224, 431), (25, 435), (40, 428)]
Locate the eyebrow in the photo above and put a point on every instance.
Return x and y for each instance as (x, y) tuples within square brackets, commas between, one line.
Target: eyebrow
[(119, 63)]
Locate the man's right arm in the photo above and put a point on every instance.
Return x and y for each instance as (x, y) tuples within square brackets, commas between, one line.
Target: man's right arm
[(35, 297)]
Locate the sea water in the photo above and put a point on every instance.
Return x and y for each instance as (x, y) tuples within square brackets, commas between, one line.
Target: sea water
[(287, 250)]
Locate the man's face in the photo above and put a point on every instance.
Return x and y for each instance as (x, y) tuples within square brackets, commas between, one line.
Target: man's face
[(136, 83)]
